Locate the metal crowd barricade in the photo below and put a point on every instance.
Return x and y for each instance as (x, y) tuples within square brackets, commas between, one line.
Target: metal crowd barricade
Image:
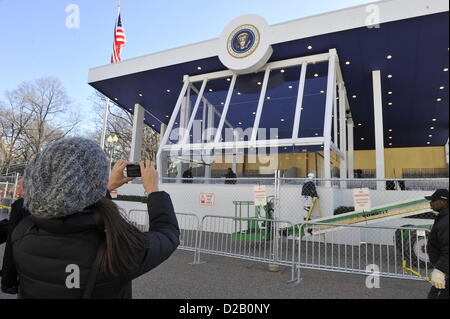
[(188, 223), (139, 218), (254, 239), (359, 249), (189, 234)]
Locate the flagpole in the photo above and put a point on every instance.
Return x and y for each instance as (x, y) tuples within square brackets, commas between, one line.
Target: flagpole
[(105, 124)]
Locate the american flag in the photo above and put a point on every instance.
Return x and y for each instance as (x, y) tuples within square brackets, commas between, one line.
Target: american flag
[(119, 40)]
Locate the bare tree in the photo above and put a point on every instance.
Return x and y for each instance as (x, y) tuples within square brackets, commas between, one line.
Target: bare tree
[(120, 124), (34, 115)]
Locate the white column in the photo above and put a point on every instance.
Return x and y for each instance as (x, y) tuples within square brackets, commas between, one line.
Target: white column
[(379, 131), (209, 127), (331, 85), (138, 130), (342, 133), (351, 153)]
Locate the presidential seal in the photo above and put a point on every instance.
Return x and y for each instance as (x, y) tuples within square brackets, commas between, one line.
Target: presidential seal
[(243, 41)]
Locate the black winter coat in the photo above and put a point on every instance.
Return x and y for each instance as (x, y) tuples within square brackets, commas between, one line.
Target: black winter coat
[(438, 242), (9, 273), (43, 248), (309, 189)]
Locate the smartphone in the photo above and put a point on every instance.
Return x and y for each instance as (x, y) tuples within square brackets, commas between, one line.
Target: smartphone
[(133, 170)]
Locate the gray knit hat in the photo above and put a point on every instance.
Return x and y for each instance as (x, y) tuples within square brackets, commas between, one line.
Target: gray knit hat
[(68, 176)]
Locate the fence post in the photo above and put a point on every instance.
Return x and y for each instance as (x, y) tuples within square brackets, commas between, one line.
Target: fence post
[(274, 267)]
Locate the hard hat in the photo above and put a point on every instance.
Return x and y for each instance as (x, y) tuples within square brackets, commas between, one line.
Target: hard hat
[(311, 175)]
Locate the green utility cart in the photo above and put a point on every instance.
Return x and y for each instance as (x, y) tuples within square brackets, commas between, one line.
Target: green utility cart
[(252, 222)]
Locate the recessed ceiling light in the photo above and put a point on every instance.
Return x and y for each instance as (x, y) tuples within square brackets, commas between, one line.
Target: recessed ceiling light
[(282, 120), (347, 62), (359, 124), (434, 120), (390, 103), (268, 97), (222, 103), (290, 86), (439, 99), (445, 69), (259, 83), (354, 96), (317, 134), (199, 68), (442, 87), (390, 137), (390, 130), (254, 113), (167, 115), (210, 90), (390, 76), (390, 144), (432, 128), (168, 91), (153, 125), (430, 135), (116, 99), (282, 71), (228, 79), (239, 93), (428, 143), (240, 123), (390, 92), (362, 138), (322, 91), (309, 47), (140, 94), (389, 57), (316, 75)]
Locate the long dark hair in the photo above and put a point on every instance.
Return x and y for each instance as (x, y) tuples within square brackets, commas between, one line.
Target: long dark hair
[(123, 241)]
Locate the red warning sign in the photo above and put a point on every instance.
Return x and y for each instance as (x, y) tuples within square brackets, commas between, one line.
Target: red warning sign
[(206, 199), (361, 199)]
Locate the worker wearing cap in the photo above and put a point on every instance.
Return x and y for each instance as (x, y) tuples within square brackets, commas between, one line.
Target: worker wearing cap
[(437, 246), (309, 192)]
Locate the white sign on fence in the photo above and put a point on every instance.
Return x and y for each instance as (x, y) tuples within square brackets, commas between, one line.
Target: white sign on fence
[(361, 199), (260, 195), (206, 199)]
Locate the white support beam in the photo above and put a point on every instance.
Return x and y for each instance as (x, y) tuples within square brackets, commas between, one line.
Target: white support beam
[(194, 112), (331, 84), (298, 108), (262, 98), (342, 133), (335, 117), (351, 152), (166, 134), (379, 131), (138, 130), (225, 108), (305, 141)]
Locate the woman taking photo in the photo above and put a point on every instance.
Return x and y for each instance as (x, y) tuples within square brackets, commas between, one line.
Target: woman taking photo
[(75, 243)]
